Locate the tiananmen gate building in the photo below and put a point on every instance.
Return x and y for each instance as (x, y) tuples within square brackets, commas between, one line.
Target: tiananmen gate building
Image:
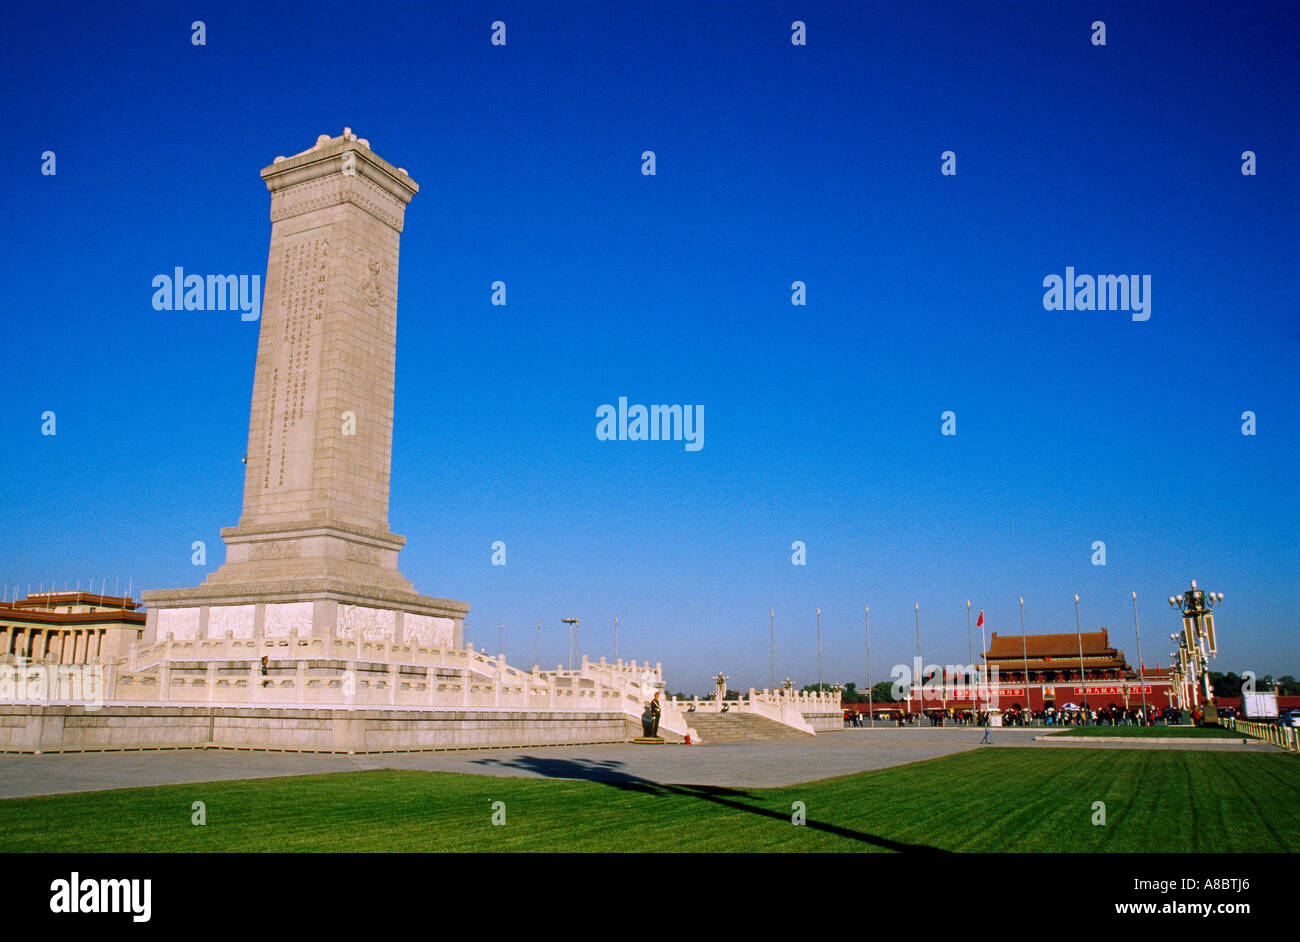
[(1043, 671)]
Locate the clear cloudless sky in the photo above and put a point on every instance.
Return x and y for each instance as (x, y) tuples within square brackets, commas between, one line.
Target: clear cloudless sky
[(775, 163)]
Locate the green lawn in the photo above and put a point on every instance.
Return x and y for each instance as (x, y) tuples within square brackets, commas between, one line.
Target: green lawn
[(1003, 799), (1155, 732)]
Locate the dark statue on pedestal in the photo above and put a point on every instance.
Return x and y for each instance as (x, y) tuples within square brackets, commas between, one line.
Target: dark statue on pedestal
[(650, 718)]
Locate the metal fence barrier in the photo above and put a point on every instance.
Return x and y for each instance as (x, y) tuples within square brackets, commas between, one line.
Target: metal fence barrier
[(1286, 737)]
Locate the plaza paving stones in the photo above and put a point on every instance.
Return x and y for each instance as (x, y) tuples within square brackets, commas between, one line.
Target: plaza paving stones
[(754, 764)]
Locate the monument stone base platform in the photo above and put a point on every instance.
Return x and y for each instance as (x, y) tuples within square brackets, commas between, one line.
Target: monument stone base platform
[(325, 607), (33, 729)]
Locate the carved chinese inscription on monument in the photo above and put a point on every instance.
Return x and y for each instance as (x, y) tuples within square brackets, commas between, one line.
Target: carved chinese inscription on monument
[(290, 437)]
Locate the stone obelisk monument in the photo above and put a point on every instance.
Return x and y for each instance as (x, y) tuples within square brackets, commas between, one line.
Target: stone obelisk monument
[(312, 554)]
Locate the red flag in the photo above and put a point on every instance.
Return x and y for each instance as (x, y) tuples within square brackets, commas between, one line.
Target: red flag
[(980, 622)]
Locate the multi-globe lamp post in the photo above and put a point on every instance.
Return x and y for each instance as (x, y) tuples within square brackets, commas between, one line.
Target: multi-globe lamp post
[(1182, 660), (1198, 637), (1177, 677)]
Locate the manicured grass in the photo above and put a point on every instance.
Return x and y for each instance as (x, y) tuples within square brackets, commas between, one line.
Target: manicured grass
[(995, 799), (1155, 732)]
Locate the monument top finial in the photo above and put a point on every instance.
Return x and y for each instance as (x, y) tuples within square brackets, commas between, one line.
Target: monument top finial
[(324, 139), (343, 153)]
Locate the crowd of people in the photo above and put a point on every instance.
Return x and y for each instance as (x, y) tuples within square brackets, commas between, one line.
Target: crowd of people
[(1016, 715)]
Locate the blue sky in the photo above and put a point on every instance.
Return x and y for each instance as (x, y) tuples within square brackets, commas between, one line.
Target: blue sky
[(775, 163)]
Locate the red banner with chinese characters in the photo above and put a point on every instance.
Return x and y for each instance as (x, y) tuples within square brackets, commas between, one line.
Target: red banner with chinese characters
[(1132, 689)]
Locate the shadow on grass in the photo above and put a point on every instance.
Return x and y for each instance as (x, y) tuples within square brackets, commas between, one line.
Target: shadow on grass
[(613, 773)]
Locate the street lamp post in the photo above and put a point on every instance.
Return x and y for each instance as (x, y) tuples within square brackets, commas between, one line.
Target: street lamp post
[(970, 637), (970, 642), (1024, 654), (819, 650), (1142, 684), (616, 638), (772, 626), (920, 667), (970, 654), (573, 636), (871, 704), (1195, 606), (1078, 629), (539, 643)]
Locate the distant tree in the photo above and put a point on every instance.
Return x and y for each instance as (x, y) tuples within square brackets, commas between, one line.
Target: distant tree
[(883, 692), (1225, 685), (849, 693), (1230, 684)]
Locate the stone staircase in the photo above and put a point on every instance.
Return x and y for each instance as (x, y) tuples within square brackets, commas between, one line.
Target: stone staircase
[(716, 728)]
